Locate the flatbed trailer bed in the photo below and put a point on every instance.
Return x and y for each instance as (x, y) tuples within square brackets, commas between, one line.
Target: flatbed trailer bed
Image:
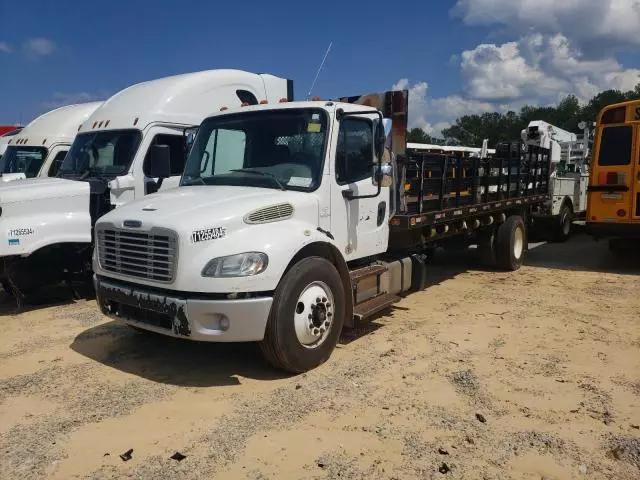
[(443, 195)]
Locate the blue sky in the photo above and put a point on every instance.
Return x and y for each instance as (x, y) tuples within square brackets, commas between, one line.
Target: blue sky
[(56, 52)]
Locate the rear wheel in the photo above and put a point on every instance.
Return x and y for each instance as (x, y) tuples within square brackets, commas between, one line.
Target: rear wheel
[(511, 243), (563, 225), (306, 317), (487, 247)]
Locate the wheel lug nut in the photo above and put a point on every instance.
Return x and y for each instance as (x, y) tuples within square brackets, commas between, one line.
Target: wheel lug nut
[(324, 299), (322, 330), (326, 324), (318, 300), (311, 325), (328, 305), (329, 314), (310, 316), (316, 331)]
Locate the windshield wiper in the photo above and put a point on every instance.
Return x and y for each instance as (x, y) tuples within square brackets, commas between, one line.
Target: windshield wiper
[(264, 174)]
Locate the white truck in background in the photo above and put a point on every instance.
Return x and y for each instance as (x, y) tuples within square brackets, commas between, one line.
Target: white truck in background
[(293, 220), (5, 137), (40, 147), (569, 177), (46, 223)]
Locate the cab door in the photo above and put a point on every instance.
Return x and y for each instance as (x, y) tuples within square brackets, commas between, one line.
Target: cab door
[(359, 213), (614, 179)]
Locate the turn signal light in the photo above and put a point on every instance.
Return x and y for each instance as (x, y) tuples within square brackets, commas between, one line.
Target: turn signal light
[(621, 213)]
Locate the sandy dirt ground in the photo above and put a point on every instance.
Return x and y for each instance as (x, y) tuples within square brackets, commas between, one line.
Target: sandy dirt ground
[(484, 375)]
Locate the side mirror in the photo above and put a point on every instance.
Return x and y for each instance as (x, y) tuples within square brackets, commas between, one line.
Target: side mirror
[(160, 161), (383, 175)]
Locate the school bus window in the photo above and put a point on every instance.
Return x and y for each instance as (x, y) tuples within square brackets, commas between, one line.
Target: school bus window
[(615, 146)]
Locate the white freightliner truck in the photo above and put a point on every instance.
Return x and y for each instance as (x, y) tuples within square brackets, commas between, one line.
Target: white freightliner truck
[(39, 148), (46, 224), (569, 177), (292, 220)]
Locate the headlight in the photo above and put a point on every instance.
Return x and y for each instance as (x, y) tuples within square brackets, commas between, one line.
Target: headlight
[(240, 265)]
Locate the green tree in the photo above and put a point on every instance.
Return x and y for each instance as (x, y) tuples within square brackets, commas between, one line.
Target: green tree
[(471, 130), (418, 135)]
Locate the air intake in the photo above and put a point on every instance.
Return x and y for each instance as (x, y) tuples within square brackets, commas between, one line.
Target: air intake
[(274, 213)]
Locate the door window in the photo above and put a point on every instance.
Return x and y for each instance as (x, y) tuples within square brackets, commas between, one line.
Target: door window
[(354, 154)]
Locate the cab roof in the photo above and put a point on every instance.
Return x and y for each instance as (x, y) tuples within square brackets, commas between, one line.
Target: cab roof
[(56, 126), (179, 99)]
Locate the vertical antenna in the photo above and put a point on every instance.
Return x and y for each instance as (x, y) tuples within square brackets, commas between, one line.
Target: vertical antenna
[(319, 69)]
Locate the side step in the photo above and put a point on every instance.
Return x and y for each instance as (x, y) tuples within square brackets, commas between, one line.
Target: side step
[(370, 307)]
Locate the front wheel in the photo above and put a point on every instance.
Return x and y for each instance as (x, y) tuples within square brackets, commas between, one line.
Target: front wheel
[(306, 317)]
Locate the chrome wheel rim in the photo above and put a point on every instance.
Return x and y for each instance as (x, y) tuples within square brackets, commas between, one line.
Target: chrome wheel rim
[(313, 314)]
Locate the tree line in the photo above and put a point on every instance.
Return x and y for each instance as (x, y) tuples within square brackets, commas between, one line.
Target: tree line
[(471, 130)]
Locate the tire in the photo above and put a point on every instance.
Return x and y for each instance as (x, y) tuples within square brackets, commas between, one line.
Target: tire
[(563, 224), (287, 326), (511, 243), (487, 247), (7, 288)]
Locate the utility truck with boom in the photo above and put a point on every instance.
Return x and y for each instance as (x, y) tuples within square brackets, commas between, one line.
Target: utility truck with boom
[(40, 147), (568, 180), (296, 219), (46, 224)]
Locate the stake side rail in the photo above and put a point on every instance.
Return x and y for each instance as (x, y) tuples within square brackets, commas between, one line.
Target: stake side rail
[(442, 192)]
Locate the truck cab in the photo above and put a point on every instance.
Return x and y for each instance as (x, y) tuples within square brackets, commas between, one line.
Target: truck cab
[(47, 223), (37, 150)]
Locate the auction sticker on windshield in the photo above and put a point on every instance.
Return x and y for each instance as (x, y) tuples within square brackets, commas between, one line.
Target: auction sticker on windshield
[(207, 234)]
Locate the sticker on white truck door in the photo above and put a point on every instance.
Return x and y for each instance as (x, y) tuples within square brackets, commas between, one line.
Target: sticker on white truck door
[(206, 234), (20, 232)]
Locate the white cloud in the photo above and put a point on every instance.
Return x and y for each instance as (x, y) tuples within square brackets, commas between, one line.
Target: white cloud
[(539, 69), (39, 47), (62, 99), (595, 25), (417, 103), (5, 48)]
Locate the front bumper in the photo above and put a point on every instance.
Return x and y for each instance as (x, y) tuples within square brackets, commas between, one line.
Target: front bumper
[(182, 315)]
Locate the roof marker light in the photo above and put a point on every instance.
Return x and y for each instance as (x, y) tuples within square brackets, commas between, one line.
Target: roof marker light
[(79, 127), (106, 124), (100, 124), (222, 109), (94, 124), (244, 104), (135, 122), (263, 102), (283, 100), (316, 99), (44, 141)]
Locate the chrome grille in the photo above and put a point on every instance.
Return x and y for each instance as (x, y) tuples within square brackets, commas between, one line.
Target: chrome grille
[(272, 213), (149, 255)]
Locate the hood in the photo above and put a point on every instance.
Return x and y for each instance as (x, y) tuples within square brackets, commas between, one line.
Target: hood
[(184, 208), (33, 189)]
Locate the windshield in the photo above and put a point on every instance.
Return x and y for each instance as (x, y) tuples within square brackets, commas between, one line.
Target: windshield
[(282, 149), (108, 153), (27, 160)]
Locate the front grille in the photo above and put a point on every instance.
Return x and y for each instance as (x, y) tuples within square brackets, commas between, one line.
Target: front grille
[(146, 255)]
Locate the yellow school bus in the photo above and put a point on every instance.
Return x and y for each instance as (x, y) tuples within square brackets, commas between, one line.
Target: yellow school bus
[(613, 204)]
